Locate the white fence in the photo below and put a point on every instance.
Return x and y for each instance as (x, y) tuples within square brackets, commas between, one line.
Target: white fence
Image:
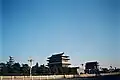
[(48, 77)]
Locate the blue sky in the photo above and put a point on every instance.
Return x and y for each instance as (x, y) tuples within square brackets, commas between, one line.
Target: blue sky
[(0, 30), (86, 30)]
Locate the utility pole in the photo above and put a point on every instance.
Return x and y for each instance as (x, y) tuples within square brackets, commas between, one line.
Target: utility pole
[(30, 61)]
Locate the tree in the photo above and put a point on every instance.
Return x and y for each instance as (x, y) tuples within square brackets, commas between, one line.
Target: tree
[(3, 69), (35, 69), (16, 68), (11, 61), (110, 67), (43, 69), (25, 69), (10, 64)]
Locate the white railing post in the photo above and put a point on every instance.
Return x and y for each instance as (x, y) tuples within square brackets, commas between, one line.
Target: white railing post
[(47, 77), (23, 77), (32, 77), (39, 78), (12, 77), (1, 77)]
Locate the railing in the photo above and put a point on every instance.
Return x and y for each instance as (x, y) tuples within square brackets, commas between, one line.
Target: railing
[(46, 77), (51, 77)]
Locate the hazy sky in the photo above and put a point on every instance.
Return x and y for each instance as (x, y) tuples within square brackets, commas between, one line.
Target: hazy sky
[(86, 30)]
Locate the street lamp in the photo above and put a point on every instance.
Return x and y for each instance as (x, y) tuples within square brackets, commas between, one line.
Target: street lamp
[(30, 61), (82, 68)]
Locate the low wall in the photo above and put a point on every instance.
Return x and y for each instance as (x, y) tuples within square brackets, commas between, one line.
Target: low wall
[(51, 77), (46, 77)]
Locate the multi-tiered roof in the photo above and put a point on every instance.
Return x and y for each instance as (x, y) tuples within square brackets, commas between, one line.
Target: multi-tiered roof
[(60, 59)]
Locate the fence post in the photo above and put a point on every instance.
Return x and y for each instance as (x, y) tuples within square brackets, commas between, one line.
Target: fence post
[(47, 77), (12, 77), (54, 77), (39, 78), (32, 77), (23, 77), (1, 78)]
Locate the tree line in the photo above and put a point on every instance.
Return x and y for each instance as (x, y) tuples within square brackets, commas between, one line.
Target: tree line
[(13, 68)]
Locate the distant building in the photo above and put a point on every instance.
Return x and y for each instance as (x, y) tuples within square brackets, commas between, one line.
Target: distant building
[(59, 64), (104, 70), (58, 60), (91, 67)]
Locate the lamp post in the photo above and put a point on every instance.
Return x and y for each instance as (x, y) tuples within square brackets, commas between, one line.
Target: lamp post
[(30, 61), (82, 68)]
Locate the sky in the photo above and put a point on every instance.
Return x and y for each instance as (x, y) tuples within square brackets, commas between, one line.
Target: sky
[(0, 30), (86, 30)]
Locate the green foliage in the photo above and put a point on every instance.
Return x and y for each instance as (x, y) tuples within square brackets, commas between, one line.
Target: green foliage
[(3, 69), (25, 69)]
